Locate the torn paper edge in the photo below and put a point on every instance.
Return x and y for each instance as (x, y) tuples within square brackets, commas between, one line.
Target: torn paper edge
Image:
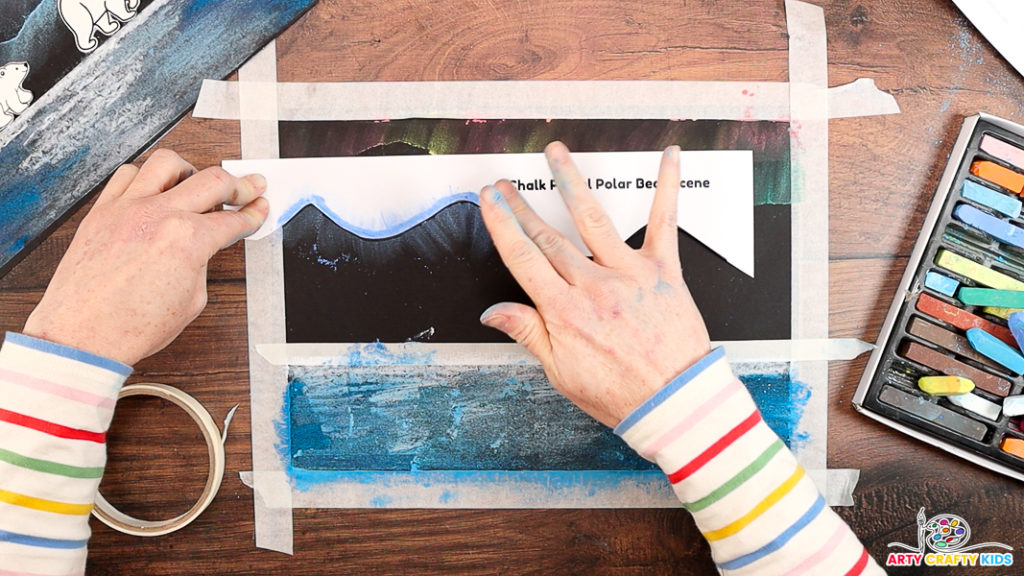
[(273, 525), (809, 109), (540, 99)]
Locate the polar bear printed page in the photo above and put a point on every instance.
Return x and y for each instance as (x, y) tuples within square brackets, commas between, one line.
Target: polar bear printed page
[(86, 84), (42, 40)]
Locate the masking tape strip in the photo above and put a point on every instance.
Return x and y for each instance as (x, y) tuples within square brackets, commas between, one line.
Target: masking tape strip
[(258, 103), (837, 485), (808, 148), (214, 441), (304, 101), (502, 354), (265, 298)]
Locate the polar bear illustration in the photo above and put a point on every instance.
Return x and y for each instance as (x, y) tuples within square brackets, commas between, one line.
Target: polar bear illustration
[(13, 98), (84, 17)]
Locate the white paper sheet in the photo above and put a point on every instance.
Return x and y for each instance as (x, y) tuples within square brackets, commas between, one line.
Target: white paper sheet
[(1000, 22), (380, 197)]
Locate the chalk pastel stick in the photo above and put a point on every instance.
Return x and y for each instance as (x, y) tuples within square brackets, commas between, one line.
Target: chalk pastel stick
[(996, 227), (998, 175), (996, 349), (970, 269), (990, 198), (961, 318), (940, 283), (991, 297), (938, 415), (1000, 311), (1006, 152), (1016, 324), (1014, 446), (946, 339), (977, 405), (945, 385), (940, 362), (1013, 405)]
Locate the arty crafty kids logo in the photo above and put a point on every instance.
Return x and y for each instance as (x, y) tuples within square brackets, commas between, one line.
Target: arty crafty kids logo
[(942, 541)]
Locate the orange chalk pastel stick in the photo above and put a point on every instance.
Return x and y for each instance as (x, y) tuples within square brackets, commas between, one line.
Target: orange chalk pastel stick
[(998, 175)]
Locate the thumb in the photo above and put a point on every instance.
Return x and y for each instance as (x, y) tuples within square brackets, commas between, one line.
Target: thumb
[(523, 324), (225, 227)]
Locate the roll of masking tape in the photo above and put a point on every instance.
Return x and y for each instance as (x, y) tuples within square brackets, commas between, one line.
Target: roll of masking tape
[(130, 525)]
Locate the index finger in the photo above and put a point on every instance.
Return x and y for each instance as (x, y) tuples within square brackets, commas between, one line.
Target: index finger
[(662, 237), (214, 186), (521, 256), (225, 227), (162, 171), (595, 227)]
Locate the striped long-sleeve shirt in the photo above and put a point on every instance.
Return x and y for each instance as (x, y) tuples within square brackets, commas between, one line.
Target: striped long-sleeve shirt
[(55, 407), (750, 498)]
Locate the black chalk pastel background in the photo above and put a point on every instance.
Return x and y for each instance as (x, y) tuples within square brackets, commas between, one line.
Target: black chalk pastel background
[(438, 277), (430, 284)]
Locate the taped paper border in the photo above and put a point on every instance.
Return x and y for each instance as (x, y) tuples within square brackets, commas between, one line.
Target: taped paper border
[(808, 157), (491, 354), (643, 100), (259, 102)]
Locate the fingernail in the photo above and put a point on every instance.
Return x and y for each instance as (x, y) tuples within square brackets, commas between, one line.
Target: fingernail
[(492, 319), (492, 194), (672, 151), (258, 181), (263, 205)]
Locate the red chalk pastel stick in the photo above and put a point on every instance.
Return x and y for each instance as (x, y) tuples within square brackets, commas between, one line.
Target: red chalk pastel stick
[(961, 318)]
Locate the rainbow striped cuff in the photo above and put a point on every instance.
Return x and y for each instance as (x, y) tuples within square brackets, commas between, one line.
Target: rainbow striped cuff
[(56, 404), (750, 498)]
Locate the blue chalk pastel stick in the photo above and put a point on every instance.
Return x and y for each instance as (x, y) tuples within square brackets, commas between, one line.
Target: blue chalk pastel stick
[(1000, 229), (1016, 323), (996, 349), (941, 283), (988, 197)]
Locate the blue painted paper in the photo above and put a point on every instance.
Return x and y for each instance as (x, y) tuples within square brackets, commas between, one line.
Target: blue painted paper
[(410, 422)]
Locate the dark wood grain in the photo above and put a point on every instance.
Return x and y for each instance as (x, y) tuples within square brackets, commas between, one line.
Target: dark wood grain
[(882, 173)]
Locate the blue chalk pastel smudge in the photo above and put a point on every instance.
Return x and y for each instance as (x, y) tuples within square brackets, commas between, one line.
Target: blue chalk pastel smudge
[(991, 198), (394, 424), (396, 225), (995, 227), (782, 401), (941, 283), (996, 350)]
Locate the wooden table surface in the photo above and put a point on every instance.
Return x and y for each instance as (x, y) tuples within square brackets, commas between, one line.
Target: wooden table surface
[(882, 172)]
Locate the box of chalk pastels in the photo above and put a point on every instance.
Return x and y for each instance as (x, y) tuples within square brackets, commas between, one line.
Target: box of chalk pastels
[(948, 365)]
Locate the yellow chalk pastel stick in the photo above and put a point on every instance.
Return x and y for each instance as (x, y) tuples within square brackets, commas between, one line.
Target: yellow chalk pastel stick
[(945, 385), (982, 275)]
